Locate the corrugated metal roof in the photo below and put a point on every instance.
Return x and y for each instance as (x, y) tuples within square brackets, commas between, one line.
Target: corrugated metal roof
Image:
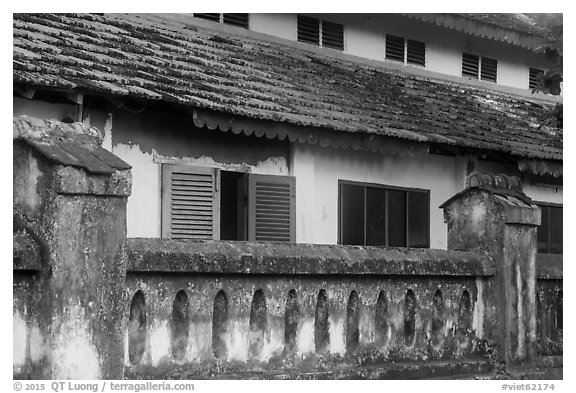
[(165, 58)]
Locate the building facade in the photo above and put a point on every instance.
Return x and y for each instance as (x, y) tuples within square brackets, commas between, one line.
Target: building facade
[(367, 122)]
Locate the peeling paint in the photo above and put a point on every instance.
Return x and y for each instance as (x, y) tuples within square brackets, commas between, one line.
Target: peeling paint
[(337, 329), (19, 340), (479, 310), (305, 337), (159, 343), (74, 354), (37, 344)]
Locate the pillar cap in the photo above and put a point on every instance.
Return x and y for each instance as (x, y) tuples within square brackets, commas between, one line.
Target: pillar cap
[(502, 185)]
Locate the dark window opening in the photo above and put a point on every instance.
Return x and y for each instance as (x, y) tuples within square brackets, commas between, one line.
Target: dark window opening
[(372, 215), (550, 230), (233, 202)]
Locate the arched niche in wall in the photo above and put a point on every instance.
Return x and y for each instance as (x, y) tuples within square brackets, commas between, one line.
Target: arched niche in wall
[(291, 320), (321, 324), (258, 323), (437, 324), (410, 318), (137, 328), (381, 325), (353, 322), (180, 325), (559, 322), (464, 319), (220, 325)]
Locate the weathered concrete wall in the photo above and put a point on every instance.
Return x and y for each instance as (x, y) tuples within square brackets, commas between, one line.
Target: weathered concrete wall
[(495, 216), (67, 318), (549, 304), (380, 305)]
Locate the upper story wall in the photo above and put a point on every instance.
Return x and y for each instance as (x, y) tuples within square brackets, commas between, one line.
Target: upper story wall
[(365, 36)]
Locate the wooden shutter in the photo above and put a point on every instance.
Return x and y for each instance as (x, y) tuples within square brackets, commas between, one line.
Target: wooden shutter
[(190, 202), (394, 48), (308, 30), (271, 208), (470, 65), (416, 53), (332, 35), (240, 20), (489, 69)]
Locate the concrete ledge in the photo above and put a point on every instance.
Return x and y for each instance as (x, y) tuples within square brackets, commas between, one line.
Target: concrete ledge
[(549, 266), (392, 370), (209, 256)]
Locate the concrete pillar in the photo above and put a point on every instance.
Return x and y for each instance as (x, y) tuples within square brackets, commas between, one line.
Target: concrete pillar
[(494, 215), (70, 196)]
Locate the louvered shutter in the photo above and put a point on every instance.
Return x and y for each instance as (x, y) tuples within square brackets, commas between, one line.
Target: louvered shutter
[(271, 208), (332, 35), (308, 30), (394, 48), (416, 53), (190, 202), (470, 65), (535, 75), (240, 20), (489, 69), (212, 17)]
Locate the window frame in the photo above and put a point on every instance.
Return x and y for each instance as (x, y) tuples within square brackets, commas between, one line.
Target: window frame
[(221, 20), (480, 71), (405, 46), (383, 187), (249, 215), (320, 37), (549, 204)]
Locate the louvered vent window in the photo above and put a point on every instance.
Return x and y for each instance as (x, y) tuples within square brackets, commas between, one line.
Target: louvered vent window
[(535, 75), (189, 202), (470, 65), (308, 30), (271, 208), (394, 48), (477, 67), (320, 32), (240, 20), (206, 203), (405, 51), (416, 53), (332, 35), (488, 69)]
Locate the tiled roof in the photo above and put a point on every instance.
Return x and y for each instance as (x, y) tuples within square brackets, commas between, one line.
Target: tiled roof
[(72, 144), (163, 57)]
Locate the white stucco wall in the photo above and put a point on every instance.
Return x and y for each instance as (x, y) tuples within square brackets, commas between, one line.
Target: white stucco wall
[(318, 171), (364, 36)]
